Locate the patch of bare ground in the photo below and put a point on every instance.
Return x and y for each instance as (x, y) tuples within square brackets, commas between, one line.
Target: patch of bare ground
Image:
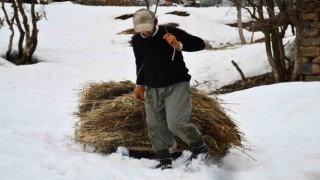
[(250, 82), (125, 17), (179, 13)]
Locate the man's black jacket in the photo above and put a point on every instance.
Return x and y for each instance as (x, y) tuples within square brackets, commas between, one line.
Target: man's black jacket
[(155, 67)]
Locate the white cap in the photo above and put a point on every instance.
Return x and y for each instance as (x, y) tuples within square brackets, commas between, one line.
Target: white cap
[(143, 20)]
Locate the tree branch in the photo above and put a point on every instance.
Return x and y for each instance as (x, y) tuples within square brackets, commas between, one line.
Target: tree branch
[(10, 24), (240, 71), (155, 12)]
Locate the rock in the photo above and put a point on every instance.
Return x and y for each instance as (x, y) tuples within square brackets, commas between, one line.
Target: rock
[(306, 60), (311, 51), (316, 60), (311, 5), (310, 42), (315, 69), (315, 24), (311, 69), (312, 78), (311, 32), (308, 10), (306, 68), (311, 16)]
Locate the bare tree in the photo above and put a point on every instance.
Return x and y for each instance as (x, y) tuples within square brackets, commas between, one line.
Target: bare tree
[(28, 39), (272, 17)]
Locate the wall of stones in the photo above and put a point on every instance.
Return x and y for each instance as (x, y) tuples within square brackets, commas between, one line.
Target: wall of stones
[(311, 42)]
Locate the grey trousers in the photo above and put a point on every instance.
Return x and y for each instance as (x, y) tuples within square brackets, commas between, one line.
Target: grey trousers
[(168, 112)]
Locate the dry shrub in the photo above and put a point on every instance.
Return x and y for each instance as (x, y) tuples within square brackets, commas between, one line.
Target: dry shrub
[(110, 116)]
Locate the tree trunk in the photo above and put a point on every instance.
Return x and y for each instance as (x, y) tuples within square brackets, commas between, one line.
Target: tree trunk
[(275, 70), (297, 55), (34, 35), (8, 53), (239, 16), (26, 49), (278, 53), (296, 17), (21, 31)]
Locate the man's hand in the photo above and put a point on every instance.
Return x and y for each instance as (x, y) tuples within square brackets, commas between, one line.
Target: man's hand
[(139, 92), (171, 39)]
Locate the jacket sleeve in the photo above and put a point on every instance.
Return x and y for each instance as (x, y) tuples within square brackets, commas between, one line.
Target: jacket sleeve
[(189, 42), (139, 65)]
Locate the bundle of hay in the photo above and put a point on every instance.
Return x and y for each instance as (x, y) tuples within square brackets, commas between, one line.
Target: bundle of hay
[(110, 116)]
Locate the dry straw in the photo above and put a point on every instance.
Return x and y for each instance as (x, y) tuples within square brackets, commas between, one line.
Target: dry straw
[(110, 116)]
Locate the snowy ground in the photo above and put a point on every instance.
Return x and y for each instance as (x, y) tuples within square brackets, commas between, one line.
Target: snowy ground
[(78, 44)]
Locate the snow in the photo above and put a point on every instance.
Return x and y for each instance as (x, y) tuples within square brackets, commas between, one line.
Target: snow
[(79, 44)]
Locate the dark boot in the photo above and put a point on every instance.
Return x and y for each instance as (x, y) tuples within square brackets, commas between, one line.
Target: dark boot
[(164, 164), (199, 148), (165, 160)]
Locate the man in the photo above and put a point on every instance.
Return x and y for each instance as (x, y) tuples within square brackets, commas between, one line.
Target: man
[(162, 72)]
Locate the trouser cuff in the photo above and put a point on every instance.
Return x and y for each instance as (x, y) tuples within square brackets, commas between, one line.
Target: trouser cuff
[(164, 155), (197, 144)]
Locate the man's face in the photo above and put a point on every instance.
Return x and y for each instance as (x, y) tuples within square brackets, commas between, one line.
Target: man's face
[(149, 33)]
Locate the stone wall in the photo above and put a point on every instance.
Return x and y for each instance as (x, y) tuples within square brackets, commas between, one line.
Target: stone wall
[(311, 42)]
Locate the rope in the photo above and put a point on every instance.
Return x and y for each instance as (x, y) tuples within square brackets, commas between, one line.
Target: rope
[(174, 49)]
